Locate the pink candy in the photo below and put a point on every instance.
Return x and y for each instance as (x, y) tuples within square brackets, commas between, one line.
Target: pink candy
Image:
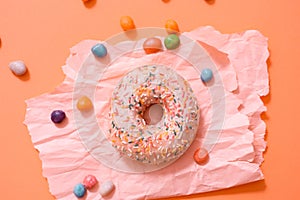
[(90, 181)]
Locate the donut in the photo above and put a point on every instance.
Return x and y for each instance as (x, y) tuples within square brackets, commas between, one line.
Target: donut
[(169, 137)]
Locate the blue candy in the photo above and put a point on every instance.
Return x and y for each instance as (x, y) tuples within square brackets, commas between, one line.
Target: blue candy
[(99, 50), (206, 75), (79, 190)]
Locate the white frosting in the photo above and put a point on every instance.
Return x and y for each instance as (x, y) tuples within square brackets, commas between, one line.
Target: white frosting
[(170, 137)]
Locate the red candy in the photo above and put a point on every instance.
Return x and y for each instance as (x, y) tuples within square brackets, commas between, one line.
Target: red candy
[(201, 156), (90, 181), (152, 45)]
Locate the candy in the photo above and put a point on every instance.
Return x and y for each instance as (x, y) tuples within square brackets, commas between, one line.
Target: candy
[(201, 156), (106, 188), (84, 103), (18, 67), (206, 75), (172, 41), (127, 23), (152, 45), (57, 116), (90, 181), (79, 190), (99, 50), (171, 26)]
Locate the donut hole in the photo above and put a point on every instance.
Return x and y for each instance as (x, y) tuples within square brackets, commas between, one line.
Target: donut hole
[(153, 114)]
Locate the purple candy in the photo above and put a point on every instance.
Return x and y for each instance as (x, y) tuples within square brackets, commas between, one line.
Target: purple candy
[(57, 116)]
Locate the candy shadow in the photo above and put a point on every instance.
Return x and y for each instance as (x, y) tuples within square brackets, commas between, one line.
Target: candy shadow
[(90, 4), (63, 124), (110, 195), (210, 83), (166, 1), (24, 77), (210, 2), (95, 188), (131, 34), (87, 113), (84, 197)]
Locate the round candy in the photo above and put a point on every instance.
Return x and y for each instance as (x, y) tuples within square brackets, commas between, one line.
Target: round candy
[(89, 181), (201, 156), (171, 26), (84, 103), (127, 23), (106, 188), (152, 45), (79, 190), (18, 67), (99, 50), (172, 41), (206, 75), (57, 116)]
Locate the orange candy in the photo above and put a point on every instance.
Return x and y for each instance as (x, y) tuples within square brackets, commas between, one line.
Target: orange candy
[(84, 103), (85, 1), (127, 23), (201, 156), (171, 26)]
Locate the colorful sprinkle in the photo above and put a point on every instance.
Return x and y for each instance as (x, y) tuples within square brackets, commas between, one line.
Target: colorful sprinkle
[(57, 116), (18, 67), (172, 41), (79, 190), (99, 50), (206, 75)]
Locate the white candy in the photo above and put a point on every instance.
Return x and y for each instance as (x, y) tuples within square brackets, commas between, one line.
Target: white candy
[(18, 67), (106, 188)]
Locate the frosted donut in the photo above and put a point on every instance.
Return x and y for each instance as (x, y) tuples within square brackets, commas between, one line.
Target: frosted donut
[(172, 135)]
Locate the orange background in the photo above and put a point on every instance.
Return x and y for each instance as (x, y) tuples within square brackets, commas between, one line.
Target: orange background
[(41, 33)]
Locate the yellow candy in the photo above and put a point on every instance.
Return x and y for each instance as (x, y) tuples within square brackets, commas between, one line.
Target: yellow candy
[(84, 103)]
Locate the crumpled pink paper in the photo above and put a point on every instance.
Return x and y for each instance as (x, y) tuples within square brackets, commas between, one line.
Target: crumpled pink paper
[(235, 153)]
